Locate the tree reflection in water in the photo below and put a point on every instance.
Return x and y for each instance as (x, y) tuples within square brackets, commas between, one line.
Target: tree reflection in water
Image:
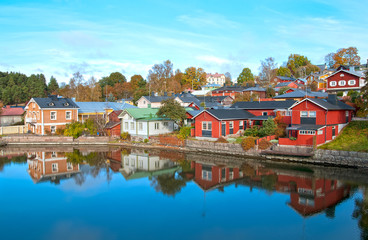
[(93, 163), (361, 213)]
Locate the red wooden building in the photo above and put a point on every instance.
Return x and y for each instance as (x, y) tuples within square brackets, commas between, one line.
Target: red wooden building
[(344, 80), (316, 121), (215, 123)]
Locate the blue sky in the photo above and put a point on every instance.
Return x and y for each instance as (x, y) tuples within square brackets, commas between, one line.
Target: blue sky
[(99, 37)]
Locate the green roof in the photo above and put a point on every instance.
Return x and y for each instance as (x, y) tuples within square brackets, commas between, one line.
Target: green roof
[(148, 114)]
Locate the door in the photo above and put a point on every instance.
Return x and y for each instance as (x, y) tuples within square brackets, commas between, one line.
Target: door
[(206, 129), (333, 132), (223, 129), (347, 116)]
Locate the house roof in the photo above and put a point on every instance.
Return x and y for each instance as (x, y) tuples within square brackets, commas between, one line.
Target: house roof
[(256, 89), (212, 98), (228, 114), (264, 104), (155, 99), (283, 84), (305, 127), (11, 111), (321, 67), (355, 73), (148, 114), (301, 93), (235, 88), (100, 107), (326, 105), (284, 78), (111, 124), (216, 75), (55, 102)]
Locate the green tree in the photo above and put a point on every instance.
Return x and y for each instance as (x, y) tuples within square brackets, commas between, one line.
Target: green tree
[(246, 76), (53, 85), (283, 90), (283, 71), (172, 109), (194, 78), (269, 128), (362, 102), (137, 82), (270, 92), (228, 81)]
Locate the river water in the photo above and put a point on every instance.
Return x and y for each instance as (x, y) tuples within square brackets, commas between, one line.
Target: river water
[(50, 193)]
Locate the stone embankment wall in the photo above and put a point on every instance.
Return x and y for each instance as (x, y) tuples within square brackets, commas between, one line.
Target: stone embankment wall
[(53, 140), (344, 158), (221, 148)]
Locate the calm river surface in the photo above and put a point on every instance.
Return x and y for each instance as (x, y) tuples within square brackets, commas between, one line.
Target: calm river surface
[(136, 194)]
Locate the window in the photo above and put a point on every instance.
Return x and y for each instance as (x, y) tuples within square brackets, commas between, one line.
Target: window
[(342, 83), (144, 102), (207, 175), (53, 129), (166, 124), (333, 83), (241, 124), (341, 75), (312, 114), (38, 115), (53, 155), (264, 113), (303, 114), (68, 115), (140, 125), (157, 126), (53, 115), (307, 132), (126, 126), (69, 166), (320, 132), (207, 126), (351, 82), (54, 167), (132, 126), (231, 124)]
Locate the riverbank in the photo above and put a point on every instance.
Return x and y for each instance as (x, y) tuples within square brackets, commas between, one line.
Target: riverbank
[(288, 154)]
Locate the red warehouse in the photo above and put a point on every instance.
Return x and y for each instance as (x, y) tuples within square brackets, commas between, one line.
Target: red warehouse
[(221, 122), (316, 121)]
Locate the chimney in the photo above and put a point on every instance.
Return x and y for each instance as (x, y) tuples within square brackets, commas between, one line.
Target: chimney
[(332, 99)]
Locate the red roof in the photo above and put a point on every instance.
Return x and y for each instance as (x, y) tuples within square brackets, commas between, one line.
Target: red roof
[(11, 111)]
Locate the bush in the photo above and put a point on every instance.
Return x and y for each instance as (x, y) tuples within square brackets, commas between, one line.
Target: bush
[(74, 129), (146, 140), (340, 94), (252, 132), (125, 136), (221, 140), (292, 138), (60, 131), (264, 144), (184, 132), (248, 143)]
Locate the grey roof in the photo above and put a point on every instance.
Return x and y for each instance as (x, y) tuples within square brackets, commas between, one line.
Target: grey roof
[(100, 107), (304, 127), (55, 102), (329, 106), (228, 114), (321, 67), (355, 73), (111, 124), (264, 105), (256, 89), (283, 84), (301, 93), (194, 112), (235, 88), (286, 78), (212, 98), (153, 99)]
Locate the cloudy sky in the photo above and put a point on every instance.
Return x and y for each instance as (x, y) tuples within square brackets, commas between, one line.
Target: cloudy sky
[(96, 38)]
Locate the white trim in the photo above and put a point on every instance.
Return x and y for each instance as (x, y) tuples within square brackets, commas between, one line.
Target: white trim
[(70, 115), (52, 124), (297, 103), (352, 83), (343, 70)]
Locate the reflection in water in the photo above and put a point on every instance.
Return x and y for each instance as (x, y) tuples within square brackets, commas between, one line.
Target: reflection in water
[(308, 190)]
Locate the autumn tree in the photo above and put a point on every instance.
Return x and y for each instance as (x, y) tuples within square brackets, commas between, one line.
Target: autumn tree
[(228, 81), (346, 56), (174, 85), (270, 92), (245, 97), (160, 75), (329, 60), (314, 86), (300, 66), (246, 76), (283, 90), (283, 71), (137, 82), (362, 102), (267, 71), (111, 80), (194, 78)]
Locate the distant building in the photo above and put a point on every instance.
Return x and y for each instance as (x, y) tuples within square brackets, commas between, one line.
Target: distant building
[(344, 80), (215, 78), (10, 115)]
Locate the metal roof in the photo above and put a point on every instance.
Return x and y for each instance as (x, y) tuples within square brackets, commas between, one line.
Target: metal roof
[(55, 102), (148, 114), (301, 93), (228, 114), (100, 107), (263, 104)]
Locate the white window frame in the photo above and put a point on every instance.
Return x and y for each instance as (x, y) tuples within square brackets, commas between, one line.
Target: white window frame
[(53, 155), (333, 83), (342, 83), (231, 125), (166, 124), (307, 132), (241, 124), (53, 127), (140, 126), (341, 75), (207, 175), (314, 113), (207, 126), (157, 126), (351, 82), (38, 115), (132, 126), (54, 167), (320, 132), (126, 127), (66, 115), (69, 166), (302, 113), (51, 115)]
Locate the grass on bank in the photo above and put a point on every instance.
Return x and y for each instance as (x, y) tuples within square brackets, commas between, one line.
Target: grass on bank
[(354, 137)]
